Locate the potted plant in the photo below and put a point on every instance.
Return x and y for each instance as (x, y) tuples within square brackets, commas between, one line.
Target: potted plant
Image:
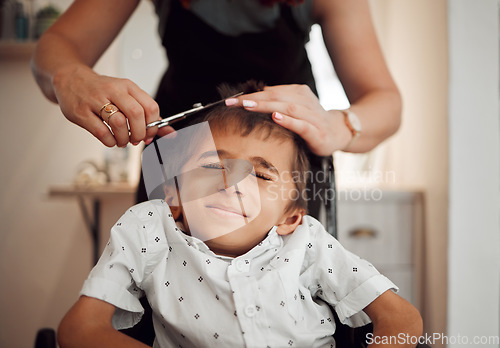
[(45, 17)]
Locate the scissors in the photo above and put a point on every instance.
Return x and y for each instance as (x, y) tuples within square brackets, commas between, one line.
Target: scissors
[(177, 117)]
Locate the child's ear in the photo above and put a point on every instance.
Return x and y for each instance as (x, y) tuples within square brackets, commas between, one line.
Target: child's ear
[(290, 221), (172, 199)]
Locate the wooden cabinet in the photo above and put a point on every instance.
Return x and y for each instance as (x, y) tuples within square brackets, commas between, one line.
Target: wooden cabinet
[(385, 228)]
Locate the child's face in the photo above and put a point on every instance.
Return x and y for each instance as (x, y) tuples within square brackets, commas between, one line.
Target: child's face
[(232, 220)]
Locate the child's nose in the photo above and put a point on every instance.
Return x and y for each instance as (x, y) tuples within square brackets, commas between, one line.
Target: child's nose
[(231, 190)]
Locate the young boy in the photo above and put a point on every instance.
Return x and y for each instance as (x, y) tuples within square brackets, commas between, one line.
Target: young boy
[(229, 258)]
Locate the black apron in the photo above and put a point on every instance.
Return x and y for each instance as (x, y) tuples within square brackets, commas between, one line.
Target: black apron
[(201, 58)]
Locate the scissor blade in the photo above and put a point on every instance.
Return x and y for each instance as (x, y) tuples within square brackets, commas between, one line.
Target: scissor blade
[(177, 117), (222, 100), (166, 121)]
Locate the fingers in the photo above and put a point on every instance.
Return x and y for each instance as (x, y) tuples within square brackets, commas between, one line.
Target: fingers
[(116, 121), (282, 92), (307, 131), (118, 124), (139, 109), (297, 101), (293, 109), (296, 108), (316, 138), (97, 128), (114, 133), (257, 104), (151, 113), (135, 110), (82, 95)]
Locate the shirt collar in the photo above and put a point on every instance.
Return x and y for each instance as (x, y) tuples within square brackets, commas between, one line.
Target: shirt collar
[(272, 240)]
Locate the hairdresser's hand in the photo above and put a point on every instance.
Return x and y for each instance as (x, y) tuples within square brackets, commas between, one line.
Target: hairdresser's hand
[(296, 108), (81, 93)]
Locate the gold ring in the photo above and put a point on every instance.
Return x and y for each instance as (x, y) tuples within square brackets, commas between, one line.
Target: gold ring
[(110, 110)]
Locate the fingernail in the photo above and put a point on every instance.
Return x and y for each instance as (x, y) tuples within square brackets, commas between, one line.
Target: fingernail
[(278, 116), (148, 141), (135, 143), (231, 101), (249, 103)]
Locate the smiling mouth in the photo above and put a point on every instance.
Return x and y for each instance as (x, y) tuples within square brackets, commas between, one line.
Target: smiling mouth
[(226, 211)]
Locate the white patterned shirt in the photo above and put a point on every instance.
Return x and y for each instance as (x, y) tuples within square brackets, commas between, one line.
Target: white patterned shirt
[(278, 294)]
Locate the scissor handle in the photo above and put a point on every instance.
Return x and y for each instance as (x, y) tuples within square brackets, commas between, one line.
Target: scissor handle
[(154, 124), (198, 106)]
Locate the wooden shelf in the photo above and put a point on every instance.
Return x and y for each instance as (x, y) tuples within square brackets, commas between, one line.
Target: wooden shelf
[(93, 191), (12, 50), (95, 194)]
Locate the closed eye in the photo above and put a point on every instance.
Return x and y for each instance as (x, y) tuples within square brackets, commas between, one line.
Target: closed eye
[(262, 176), (212, 166), (219, 166)]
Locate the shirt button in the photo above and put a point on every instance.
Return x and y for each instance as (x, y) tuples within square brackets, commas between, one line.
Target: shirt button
[(250, 310), (240, 266)]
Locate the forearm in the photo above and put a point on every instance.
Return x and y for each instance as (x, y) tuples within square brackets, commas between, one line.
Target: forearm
[(97, 337), (396, 323), (88, 324), (54, 57), (380, 116), (351, 41), (78, 38)]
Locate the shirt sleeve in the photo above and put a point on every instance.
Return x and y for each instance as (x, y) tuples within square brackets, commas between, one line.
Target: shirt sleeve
[(346, 281), (125, 263)]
